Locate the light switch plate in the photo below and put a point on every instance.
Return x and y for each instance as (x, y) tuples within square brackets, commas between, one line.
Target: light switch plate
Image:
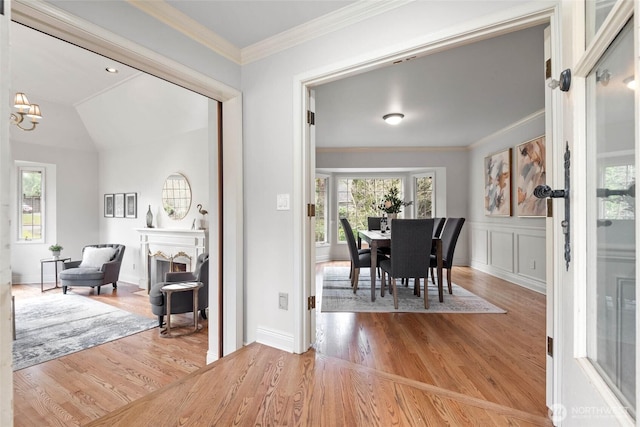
[(282, 202)]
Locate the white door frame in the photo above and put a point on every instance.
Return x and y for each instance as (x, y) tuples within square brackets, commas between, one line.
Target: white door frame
[(481, 29), (50, 20)]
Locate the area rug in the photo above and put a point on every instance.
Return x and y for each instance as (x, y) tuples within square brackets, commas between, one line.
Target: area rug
[(337, 296), (57, 325)]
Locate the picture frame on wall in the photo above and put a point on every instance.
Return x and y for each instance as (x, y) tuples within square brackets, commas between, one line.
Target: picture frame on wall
[(118, 205), (131, 205), (531, 172), (108, 205), (497, 184)]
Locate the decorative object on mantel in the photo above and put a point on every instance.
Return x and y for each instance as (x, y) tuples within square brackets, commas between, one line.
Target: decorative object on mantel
[(203, 212), (55, 250), (149, 218), (193, 224)]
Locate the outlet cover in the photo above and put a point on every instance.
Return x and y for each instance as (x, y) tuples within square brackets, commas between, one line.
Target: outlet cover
[(283, 301)]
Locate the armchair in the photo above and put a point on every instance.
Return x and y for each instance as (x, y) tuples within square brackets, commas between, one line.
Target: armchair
[(100, 265), (183, 302)]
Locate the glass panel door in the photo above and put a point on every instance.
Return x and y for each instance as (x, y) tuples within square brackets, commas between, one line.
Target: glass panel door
[(611, 248)]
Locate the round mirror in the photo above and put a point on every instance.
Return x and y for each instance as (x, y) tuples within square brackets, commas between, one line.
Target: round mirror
[(176, 196)]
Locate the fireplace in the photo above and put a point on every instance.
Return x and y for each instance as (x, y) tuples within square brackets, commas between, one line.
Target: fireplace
[(165, 250)]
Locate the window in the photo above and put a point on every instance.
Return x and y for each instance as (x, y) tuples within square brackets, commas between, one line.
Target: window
[(358, 199), (424, 196), (321, 209), (617, 177), (30, 203)]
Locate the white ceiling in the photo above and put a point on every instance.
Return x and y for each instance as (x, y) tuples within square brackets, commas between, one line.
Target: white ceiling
[(451, 98)]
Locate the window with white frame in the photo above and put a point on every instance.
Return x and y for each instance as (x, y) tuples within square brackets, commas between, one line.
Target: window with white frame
[(423, 198), (358, 199), (31, 213), (321, 209), (617, 187)]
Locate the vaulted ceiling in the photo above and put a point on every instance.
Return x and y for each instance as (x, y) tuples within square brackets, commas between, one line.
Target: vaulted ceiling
[(452, 98)]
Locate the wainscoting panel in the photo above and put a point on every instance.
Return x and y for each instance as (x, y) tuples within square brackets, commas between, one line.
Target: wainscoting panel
[(501, 249), (513, 253)]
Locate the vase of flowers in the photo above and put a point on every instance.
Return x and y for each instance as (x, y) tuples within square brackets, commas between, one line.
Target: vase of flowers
[(391, 204), (55, 250)]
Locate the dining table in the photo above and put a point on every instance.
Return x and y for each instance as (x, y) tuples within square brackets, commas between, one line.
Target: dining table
[(378, 239)]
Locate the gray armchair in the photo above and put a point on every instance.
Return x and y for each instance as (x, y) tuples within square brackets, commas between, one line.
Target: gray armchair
[(97, 268), (182, 302)]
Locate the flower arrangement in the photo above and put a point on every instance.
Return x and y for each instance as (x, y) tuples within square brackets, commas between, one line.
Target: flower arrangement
[(391, 203), (55, 248)]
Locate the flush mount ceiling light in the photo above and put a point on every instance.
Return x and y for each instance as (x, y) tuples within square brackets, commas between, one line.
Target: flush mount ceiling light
[(25, 110), (393, 118), (630, 82), (111, 70)]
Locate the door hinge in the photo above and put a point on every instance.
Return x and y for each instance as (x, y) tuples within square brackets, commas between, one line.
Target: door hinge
[(550, 346), (547, 71), (311, 117), (549, 208), (311, 302), (311, 210)]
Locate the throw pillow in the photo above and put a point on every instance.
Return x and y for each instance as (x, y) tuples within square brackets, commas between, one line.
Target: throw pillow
[(95, 257)]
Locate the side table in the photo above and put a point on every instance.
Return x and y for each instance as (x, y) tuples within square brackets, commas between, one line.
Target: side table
[(55, 262), (168, 290)]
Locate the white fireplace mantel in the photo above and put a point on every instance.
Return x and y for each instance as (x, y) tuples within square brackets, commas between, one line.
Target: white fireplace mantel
[(170, 242)]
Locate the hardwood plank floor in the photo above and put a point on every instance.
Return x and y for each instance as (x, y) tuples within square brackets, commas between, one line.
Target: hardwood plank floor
[(366, 369)]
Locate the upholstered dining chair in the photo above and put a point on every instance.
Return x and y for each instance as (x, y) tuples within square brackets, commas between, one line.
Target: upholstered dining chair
[(410, 252), (449, 237), (360, 258)]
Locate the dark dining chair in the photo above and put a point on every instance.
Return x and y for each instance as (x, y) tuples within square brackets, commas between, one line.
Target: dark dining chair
[(360, 258), (410, 249), (449, 237)]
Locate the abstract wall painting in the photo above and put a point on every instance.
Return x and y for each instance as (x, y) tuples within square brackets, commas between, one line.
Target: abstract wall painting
[(497, 184), (531, 172)]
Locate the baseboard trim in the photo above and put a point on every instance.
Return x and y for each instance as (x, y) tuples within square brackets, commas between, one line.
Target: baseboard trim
[(533, 285), (276, 339)]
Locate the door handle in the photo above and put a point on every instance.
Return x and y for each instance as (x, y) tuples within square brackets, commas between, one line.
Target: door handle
[(544, 191)]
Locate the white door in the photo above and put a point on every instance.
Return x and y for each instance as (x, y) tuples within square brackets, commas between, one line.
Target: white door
[(310, 230), (596, 315)]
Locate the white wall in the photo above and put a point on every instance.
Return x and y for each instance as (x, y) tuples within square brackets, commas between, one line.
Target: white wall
[(509, 247), (72, 210)]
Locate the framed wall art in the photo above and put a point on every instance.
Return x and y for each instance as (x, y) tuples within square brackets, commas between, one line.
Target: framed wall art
[(108, 205), (118, 205), (497, 184), (531, 172), (131, 205)]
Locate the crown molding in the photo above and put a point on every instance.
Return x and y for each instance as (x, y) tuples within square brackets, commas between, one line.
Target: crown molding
[(191, 28), (525, 120), (387, 149), (320, 26)]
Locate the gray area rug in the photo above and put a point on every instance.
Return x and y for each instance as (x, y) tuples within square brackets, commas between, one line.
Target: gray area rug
[(57, 325), (337, 296)]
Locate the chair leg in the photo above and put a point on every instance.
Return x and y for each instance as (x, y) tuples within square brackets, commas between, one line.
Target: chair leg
[(394, 290), (203, 314), (64, 290), (433, 276), (383, 278), (160, 320), (416, 286), (356, 275), (98, 289), (449, 280), (115, 285), (426, 294)]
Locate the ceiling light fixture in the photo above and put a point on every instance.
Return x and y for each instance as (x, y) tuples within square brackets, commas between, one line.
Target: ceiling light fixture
[(393, 118), (630, 82), (25, 109), (111, 70)]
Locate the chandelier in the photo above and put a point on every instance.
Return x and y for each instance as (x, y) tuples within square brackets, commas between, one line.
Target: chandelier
[(25, 109)]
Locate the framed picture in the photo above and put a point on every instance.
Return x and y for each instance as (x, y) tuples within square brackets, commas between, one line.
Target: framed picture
[(497, 184), (118, 205), (108, 205), (131, 205), (531, 172)]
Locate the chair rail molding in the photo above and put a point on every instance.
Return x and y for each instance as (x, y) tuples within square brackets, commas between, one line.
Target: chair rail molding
[(511, 252), (171, 243)]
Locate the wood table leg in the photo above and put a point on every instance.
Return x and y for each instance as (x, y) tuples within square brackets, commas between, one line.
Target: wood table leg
[(374, 266)]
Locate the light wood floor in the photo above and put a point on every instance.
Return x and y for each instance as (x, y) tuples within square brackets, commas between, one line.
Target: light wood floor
[(366, 369)]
